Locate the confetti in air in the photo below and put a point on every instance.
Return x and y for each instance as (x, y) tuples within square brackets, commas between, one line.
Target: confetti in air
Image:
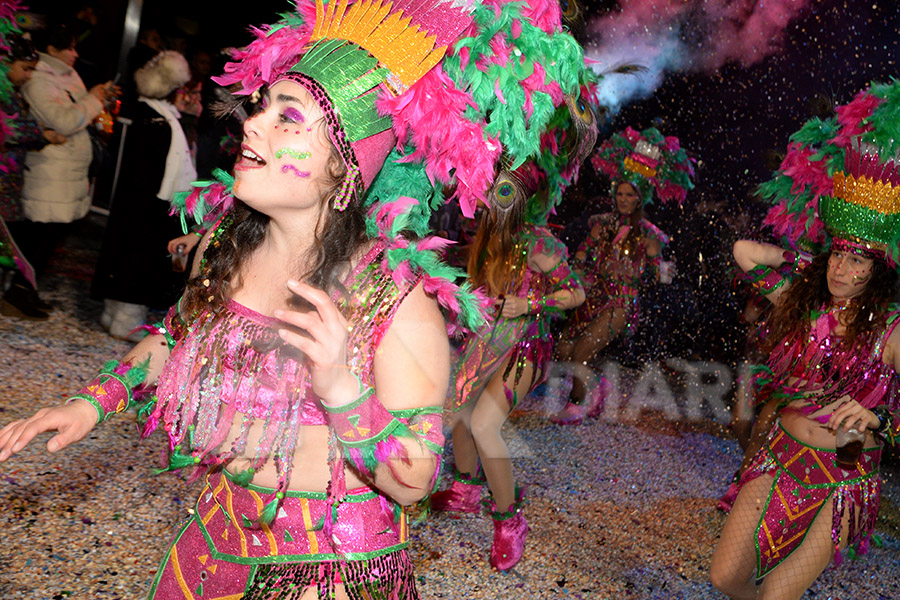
[(683, 35)]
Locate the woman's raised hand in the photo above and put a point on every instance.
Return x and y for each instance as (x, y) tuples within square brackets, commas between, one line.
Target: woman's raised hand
[(852, 414), (323, 340), (71, 422)]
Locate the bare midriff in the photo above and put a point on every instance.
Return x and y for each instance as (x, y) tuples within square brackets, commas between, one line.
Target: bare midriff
[(809, 431), (310, 471)]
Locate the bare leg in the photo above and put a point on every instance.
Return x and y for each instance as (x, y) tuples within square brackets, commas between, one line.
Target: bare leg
[(465, 454), (602, 330), (734, 561), (491, 411), (564, 348), (742, 414)]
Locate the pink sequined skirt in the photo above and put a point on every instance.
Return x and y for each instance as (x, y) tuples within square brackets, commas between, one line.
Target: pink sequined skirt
[(806, 477), (221, 553)]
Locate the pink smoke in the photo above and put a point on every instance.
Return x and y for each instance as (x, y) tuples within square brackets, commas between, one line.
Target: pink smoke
[(683, 35)]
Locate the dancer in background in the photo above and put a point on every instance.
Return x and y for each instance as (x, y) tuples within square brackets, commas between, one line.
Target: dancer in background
[(305, 368), (620, 254), (834, 352), (523, 267)]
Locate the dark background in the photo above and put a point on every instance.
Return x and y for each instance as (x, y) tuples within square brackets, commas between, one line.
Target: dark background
[(732, 120), (735, 122)]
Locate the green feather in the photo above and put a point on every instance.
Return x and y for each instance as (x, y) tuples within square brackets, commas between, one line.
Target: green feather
[(268, 513)]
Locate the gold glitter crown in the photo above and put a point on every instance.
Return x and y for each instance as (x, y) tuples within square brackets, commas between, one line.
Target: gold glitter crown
[(406, 50), (880, 196)]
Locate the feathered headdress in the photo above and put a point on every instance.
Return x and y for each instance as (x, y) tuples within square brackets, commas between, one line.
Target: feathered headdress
[(649, 161), (839, 179), (444, 95)]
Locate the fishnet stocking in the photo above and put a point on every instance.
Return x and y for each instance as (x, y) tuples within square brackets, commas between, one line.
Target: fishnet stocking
[(733, 567)]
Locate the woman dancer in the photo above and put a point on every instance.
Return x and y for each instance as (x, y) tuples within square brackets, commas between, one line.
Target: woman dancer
[(305, 367), (834, 353), (524, 269), (621, 251)]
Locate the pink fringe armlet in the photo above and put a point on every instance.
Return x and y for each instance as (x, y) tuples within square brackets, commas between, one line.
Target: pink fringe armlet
[(112, 390), (370, 433)]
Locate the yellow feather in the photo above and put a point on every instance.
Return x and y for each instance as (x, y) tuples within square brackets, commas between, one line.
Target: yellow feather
[(406, 50)]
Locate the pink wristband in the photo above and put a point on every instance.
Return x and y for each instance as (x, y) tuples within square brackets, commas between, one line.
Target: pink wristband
[(111, 391)]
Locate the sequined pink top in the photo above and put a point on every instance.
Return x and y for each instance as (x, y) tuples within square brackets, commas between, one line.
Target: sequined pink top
[(256, 394), (230, 366)]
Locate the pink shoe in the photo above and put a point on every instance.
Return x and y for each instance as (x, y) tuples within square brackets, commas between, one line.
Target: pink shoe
[(727, 500), (510, 531), (596, 399), (571, 414), (463, 495)]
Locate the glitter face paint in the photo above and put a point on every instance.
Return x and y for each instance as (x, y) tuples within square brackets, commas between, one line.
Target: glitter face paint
[(284, 166), (292, 154), (294, 115), (848, 274), (296, 171)]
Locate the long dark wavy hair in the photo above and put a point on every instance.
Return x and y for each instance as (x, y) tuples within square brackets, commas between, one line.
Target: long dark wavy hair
[(339, 234), (865, 318)]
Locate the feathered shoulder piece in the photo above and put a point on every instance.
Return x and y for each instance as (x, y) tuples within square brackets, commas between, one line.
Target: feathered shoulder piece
[(649, 161)]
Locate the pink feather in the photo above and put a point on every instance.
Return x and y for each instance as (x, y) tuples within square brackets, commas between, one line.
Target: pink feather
[(434, 242), (498, 92), (805, 172), (430, 117), (269, 55), (402, 272), (544, 14), (852, 116)]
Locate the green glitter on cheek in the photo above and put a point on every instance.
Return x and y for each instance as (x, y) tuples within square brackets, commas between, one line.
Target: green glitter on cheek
[(292, 154)]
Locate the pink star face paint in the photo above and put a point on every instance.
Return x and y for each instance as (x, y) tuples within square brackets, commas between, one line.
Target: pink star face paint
[(848, 274)]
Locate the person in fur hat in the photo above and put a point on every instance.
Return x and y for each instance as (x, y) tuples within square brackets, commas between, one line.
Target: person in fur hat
[(134, 272)]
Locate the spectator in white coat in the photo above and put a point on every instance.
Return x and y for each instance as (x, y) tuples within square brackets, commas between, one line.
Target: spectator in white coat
[(56, 190)]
